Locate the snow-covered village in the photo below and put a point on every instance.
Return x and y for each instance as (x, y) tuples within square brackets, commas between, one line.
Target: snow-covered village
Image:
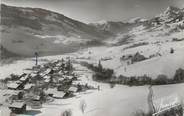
[(58, 59)]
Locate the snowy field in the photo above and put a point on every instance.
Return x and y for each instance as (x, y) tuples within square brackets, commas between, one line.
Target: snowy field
[(117, 101), (165, 64)]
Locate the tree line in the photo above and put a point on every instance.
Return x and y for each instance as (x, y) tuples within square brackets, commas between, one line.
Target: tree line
[(108, 75)]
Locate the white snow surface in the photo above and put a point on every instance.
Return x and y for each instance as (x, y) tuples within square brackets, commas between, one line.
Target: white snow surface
[(117, 101)]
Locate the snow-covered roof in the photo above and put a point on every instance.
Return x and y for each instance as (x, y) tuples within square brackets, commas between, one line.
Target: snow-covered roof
[(47, 80), (42, 74), (33, 74), (47, 71), (51, 91), (69, 77), (72, 89), (56, 68), (17, 104), (46, 77), (59, 94), (60, 72), (36, 97), (7, 93), (59, 64), (28, 86), (24, 77), (13, 85)]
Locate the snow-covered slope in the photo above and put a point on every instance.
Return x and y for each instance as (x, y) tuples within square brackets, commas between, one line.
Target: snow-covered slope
[(26, 30), (154, 39), (117, 101)]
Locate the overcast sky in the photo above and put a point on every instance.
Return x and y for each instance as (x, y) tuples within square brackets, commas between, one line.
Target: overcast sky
[(96, 10)]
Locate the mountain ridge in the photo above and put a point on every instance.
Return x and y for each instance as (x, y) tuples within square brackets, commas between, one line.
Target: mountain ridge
[(47, 27), (47, 31)]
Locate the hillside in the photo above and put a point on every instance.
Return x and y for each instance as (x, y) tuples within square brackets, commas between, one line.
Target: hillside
[(27, 30), (153, 39)]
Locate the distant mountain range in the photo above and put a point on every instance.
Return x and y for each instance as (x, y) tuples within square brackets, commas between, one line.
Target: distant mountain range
[(29, 30)]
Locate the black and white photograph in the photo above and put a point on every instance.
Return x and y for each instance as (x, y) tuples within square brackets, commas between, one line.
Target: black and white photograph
[(92, 58)]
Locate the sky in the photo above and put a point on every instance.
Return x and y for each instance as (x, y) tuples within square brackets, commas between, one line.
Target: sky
[(89, 11)]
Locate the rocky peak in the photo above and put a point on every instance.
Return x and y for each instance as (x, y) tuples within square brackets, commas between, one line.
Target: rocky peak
[(172, 10)]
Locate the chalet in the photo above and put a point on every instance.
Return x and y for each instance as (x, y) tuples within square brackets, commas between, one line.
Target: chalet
[(36, 104), (47, 80), (56, 68), (73, 89), (138, 57), (47, 77), (59, 95), (68, 77), (28, 86), (17, 107), (8, 96), (63, 87), (33, 74), (68, 94), (61, 72), (14, 85), (60, 79), (55, 80), (47, 71), (23, 75), (50, 91), (24, 78), (74, 78), (54, 93), (59, 64), (35, 101), (66, 72), (36, 98), (42, 74)]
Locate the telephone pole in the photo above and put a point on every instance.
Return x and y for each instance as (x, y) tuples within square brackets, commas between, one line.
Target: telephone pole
[(36, 56)]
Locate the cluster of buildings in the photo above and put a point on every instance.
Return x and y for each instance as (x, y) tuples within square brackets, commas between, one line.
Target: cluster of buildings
[(44, 83)]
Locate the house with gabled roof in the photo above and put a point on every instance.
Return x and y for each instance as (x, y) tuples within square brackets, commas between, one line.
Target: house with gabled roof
[(17, 107)]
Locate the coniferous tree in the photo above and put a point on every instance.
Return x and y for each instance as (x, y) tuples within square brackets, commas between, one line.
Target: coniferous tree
[(100, 68)]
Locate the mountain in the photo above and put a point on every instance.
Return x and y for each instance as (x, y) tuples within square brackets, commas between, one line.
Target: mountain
[(27, 30), (113, 27), (168, 23), (171, 15), (159, 41)]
